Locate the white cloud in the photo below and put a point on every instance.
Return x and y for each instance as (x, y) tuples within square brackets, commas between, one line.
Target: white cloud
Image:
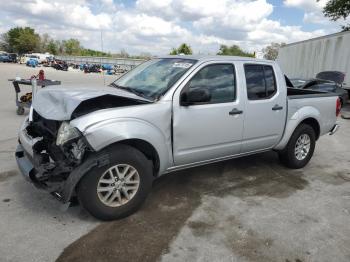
[(313, 13), (69, 13), (313, 10), (158, 25), (308, 5)]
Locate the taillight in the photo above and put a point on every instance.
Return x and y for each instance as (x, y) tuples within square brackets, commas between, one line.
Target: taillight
[(338, 107)]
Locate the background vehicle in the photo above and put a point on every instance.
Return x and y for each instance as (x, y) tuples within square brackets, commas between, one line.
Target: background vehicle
[(32, 62), (5, 58), (335, 76), (27, 57), (321, 85), (13, 57), (59, 65), (42, 57), (107, 145), (305, 59)]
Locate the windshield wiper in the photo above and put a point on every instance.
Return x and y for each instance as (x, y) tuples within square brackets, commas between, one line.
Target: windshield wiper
[(131, 90)]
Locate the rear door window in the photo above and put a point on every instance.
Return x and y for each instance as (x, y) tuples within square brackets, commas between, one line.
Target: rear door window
[(260, 81)]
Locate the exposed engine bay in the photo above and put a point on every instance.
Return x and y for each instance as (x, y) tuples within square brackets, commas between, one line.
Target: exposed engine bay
[(61, 155)]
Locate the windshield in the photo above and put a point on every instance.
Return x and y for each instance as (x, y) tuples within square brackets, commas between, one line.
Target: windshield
[(153, 78)]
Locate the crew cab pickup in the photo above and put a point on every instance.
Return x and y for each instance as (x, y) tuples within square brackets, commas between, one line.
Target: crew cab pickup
[(105, 146)]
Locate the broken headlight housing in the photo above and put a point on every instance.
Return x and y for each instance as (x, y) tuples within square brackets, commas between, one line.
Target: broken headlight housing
[(65, 133)]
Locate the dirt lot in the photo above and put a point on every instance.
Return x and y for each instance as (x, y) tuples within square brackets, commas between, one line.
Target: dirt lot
[(248, 209)]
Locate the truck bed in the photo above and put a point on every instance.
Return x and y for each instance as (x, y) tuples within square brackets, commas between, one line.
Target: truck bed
[(296, 93), (319, 105)]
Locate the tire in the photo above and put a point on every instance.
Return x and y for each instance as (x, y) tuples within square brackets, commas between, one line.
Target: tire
[(121, 156), (289, 157)]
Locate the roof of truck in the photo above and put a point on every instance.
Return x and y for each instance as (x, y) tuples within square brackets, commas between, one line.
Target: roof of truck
[(205, 58)]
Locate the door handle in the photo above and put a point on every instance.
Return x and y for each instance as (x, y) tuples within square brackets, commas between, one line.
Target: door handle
[(277, 107), (235, 111)]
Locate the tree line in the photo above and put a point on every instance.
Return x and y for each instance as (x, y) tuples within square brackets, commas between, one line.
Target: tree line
[(233, 50), (24, 40), (270, 52)]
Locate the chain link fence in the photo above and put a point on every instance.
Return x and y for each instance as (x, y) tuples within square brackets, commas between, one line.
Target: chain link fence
[(122, 63)]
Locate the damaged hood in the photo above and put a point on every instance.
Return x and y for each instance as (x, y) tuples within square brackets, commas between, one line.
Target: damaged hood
[(58, 103)]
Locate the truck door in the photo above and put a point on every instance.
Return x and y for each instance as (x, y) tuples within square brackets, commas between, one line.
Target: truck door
[(212, 129), (265, 109)]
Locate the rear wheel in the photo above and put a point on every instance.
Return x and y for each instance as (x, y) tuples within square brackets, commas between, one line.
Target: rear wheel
[(300, 147), (118, 189)]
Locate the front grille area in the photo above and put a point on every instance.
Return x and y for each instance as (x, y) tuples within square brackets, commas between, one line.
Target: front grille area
[(45, 125)]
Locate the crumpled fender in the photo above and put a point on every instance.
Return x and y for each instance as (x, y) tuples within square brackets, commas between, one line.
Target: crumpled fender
[(106, 132)]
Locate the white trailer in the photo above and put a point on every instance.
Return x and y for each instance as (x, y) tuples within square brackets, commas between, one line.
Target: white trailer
[(326, 53)]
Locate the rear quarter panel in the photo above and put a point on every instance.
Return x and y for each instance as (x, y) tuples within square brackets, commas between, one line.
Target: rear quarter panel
[(322, 109)]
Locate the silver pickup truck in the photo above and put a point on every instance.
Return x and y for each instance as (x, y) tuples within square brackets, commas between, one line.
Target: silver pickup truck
[(105, 146)]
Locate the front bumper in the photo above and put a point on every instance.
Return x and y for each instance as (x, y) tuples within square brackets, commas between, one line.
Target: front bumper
[(24, 164), (63, 190)]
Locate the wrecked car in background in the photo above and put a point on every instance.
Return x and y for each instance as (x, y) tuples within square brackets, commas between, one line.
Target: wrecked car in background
[(106, 146), (326, 81)]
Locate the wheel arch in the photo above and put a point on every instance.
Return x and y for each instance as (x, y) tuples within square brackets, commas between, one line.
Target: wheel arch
[(314, 124), (293, 124), (144, 147)]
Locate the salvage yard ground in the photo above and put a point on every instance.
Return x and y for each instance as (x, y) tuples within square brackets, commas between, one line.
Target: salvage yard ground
[(247, 209)]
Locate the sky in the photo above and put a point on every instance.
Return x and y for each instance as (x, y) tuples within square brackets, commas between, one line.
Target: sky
[(156, 26)]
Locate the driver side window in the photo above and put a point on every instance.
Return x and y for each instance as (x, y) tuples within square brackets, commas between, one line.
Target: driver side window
[(218, 79)]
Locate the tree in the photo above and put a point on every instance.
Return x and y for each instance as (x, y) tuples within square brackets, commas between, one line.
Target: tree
[(124, 54), (24, 40), (72, 47), (44, 42), (173, 51), (20, 40), (233, 50), (182, 49), (271, 51), (337, 9), (28, 42), (60, 46), (52, 47)]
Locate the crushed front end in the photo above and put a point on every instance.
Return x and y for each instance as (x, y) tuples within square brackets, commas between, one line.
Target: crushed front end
[(49, 152)]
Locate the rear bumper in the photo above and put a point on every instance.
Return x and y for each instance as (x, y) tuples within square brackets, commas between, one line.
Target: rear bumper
[(334, 129)]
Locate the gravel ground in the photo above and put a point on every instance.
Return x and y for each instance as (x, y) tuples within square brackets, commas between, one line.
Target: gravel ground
[(247, 209)]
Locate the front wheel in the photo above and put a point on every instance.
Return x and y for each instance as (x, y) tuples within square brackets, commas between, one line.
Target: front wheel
[(300, 147), (118, 189)]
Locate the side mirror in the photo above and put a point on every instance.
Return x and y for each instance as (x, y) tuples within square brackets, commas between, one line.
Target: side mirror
[(198, 95)]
